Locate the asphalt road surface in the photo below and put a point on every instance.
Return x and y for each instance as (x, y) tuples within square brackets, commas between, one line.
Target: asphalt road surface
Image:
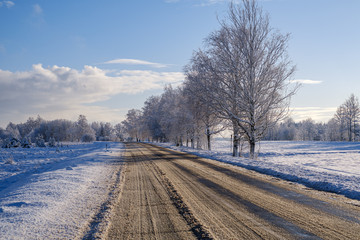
[(171, 195)]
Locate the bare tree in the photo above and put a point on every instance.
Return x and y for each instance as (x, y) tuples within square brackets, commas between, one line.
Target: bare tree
[(132, 124), (119, 131), (306, 130), (245, 72), (351, 113), (340, 117), (205, 119), (81, 128), (333, 130), (152, 117)]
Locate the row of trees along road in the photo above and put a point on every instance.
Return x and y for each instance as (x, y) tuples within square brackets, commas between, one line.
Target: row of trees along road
[(240, 78)]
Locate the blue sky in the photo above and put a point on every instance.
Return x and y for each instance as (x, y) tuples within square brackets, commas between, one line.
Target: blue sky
[(63, 58)]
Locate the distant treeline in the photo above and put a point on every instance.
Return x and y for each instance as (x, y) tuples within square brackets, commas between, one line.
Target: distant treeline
[(38, 131), (344, 126)]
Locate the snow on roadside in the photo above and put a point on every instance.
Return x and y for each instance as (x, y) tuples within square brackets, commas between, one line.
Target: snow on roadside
[(49, 194), (326, 166)]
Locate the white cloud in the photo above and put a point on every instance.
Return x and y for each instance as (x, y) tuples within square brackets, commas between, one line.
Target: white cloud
[(8, 4), (319, 114), (139, 80), (37, 19), (135, 62), (306, 81), (63, 91), (37, 10)]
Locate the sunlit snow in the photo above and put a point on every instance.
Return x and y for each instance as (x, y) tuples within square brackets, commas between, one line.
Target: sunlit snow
[(50, 193), (329, 166)]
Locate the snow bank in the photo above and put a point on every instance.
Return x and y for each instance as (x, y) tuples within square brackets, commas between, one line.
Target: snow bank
[(50, 194), (327, 166)]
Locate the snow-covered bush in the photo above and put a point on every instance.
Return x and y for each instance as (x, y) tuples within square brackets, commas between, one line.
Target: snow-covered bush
[(15, 143), (5, 143), (26, 142), (39, 141), (11, 143), (88, 138), (52, 142)]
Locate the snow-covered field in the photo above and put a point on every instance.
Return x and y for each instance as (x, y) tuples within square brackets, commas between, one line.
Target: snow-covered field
[(328, 166), (50, 194)]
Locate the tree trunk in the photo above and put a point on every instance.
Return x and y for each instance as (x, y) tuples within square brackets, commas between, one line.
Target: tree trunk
[(350, 131), (236, 145), (208, 135), (198, 143), (241, 147), (354, 130), (252, 149), (236, 140)]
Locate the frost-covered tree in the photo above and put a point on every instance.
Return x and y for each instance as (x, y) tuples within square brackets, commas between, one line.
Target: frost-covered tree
[(119, 131), (59, 129), (352, 113), (341, 120), (333, 130), (347, 117), (4, 134), (204, 119), (152, 118), (307, 130), (202, 81), (81, 127), (285, 130), (108, 130), (103, 131), (133, 123), (288, 130), (172, 116), (13, 130), (96, 127), (245, 72), (29, 126)]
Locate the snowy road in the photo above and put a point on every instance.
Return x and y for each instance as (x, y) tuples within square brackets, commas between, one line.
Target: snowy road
[(221, 201), (49, 194)]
